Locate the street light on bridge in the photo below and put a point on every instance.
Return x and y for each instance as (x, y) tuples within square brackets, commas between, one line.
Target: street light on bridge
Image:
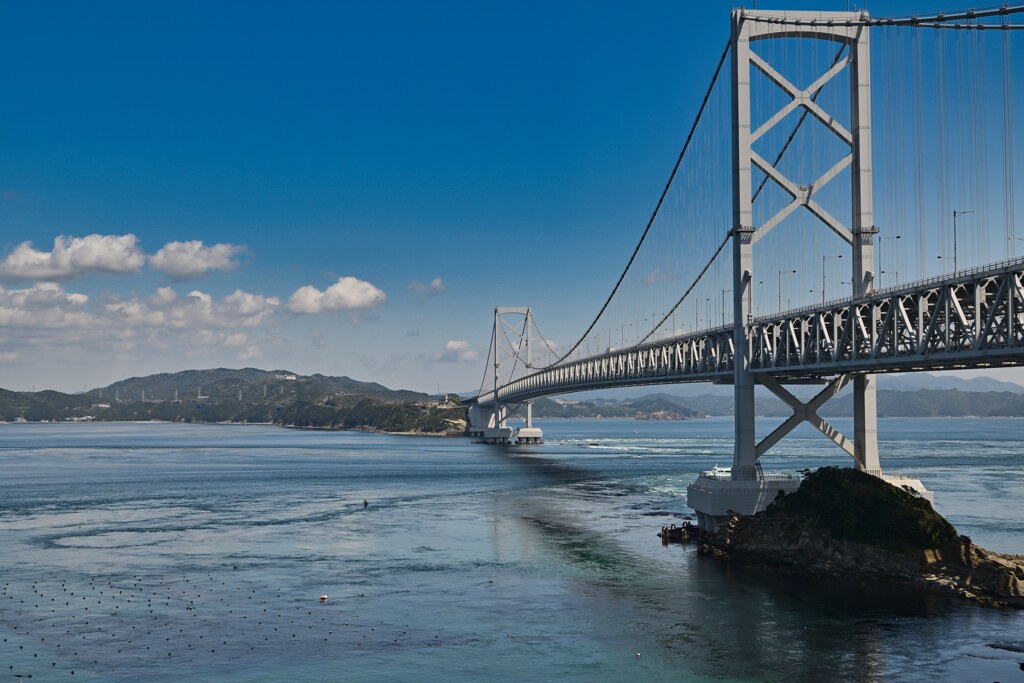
[(956, 264), (881, 263), (825, 258), (781, 273)]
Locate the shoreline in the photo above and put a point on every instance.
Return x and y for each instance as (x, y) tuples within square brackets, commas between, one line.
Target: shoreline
[(367, 430)]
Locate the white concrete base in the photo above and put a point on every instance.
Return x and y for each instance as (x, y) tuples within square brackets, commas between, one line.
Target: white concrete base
[(899, 481), (529, 435), (713, 496), (498, 435)]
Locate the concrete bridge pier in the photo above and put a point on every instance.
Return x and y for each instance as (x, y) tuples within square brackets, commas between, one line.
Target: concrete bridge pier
[(484, 424), (529, 434)]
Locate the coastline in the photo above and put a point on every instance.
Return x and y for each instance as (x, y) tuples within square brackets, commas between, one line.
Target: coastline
[(366, 430)]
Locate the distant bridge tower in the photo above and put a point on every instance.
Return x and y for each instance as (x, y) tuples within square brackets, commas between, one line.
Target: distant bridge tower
[(745, 489), (489, 422)]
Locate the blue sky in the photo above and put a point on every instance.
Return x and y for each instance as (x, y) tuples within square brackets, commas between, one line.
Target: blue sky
[(378, 176)]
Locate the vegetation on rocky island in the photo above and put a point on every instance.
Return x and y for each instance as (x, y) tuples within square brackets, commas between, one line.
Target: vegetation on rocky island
[(842, 523)]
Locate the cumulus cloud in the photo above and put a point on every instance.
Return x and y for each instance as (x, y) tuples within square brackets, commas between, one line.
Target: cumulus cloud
[(249, 353), (348, 293), (47, 324), (456, 351), (235, 339), (43, 305), (73, 257), (197, 310), (435, 286), (187, 260)]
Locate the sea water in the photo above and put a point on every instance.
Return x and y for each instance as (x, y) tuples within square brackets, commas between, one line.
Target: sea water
[(165, 552)]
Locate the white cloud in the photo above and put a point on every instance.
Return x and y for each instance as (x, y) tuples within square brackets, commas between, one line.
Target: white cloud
[(43, 305), (186, 260), (9, 356), (348, 293), (457, 351), (73, 257), (236, 339), (198, 310), (435, 286), (250, 353)]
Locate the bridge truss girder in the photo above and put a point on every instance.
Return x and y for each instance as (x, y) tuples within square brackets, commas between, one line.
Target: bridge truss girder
[(973, 320)]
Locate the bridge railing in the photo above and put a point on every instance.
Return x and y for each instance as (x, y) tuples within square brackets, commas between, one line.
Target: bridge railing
[(906, 288)]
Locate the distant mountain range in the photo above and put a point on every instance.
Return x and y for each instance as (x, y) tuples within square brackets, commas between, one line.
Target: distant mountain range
[(289, 399), (920, 395), (911, 381), (921, 403), (246, 395)]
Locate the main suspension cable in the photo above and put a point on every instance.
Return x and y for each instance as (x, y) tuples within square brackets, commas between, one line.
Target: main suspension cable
[(689, 289), (661, 200)]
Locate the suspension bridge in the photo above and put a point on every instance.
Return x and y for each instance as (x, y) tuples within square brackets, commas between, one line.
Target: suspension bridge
[(824, 142)]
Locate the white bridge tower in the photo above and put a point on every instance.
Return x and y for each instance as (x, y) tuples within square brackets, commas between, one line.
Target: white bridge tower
[(745, 488)]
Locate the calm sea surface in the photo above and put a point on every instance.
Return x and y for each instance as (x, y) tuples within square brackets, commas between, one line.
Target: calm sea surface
[(173, 552)]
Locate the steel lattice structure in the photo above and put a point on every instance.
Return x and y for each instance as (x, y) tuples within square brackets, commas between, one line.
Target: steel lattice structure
[(973, 320)]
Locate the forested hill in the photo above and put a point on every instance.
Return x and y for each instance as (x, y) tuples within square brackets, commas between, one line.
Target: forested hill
[(221, 384), (247, 395)]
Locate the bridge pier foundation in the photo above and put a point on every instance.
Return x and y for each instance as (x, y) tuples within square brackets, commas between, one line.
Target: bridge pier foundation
[(484, 425), (747, 490), (715, 495)]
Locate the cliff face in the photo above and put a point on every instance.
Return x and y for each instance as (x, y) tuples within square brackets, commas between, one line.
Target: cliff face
[(844, 523)]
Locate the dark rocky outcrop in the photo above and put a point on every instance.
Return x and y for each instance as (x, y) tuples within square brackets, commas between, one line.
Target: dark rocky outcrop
[(842, 523)]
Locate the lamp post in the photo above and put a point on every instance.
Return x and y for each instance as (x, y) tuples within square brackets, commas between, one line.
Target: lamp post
[(825, 258), (781, 273), (956, 268), (881, 263), (724, 292), (1013, 247)]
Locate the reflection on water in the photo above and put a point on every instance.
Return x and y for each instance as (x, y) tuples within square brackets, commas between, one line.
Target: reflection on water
[(160, 552)]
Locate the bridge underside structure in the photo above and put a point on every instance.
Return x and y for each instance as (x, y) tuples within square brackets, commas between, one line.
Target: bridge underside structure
[(973, 320), (970, 319)]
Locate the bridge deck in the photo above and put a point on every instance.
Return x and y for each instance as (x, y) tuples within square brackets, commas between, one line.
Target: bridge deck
[(975, 319)]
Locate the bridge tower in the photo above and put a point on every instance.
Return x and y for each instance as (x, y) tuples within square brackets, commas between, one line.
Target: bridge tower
[(489, 422), (746, 489)]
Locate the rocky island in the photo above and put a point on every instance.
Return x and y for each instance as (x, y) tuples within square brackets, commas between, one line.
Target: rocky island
[(842, 523)]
